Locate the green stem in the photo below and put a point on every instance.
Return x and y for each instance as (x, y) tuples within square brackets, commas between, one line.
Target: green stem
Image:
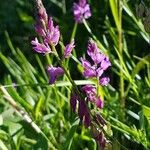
[(66, 72), (74, 31), (94, 37), (122, 101), (48, 59), (73, 36)]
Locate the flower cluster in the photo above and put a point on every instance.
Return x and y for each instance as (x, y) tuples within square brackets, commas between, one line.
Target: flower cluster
[(50, 35), (99, 65), (81, 11), (95, 68)]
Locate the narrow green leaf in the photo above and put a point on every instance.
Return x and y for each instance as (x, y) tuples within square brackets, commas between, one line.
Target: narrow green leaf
[(70, 135), (38, 107), (114, 9)]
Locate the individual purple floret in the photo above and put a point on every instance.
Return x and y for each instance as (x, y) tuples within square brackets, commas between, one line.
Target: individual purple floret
[(81, 11), (104, 81), (68, 49), (73, 101), (40, 47), (52, 34), (89, 70), (99, 102), (54, 72)]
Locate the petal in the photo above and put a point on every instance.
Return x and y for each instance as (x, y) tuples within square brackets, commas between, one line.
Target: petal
[(73, 101), (99, 103), (68, 49), (54, 72), (104, 81)]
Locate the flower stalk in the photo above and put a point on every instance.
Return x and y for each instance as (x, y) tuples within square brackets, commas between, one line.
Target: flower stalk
[(120, 48)]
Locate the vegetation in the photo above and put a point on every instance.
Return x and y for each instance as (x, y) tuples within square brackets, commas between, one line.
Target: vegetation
[(37, 115)]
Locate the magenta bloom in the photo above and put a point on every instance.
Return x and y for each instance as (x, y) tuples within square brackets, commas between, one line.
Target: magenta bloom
[(73, 101), (89, 70), (52, 34), (54, 73), (99, 102), (104, 81), (40, 47), (40, 30), (90, 91), (81, 10), (68, 49), (94, 52), (105, 63), (100, 64)]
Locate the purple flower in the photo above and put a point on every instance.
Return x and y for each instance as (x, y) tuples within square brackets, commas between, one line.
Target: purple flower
[(94, 52), (104, 81), (90, 91), (89, 71), (54, 72), (100, 63), (81, 11), (41, 12), (40, 47), (82, 109), (101, 141), (39, 30), (99, 103), (73, 101), (105, 63), (87, 119), (68, 49), (52, 34)]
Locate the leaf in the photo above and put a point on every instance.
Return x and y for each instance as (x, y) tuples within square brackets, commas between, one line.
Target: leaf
[(38, 107), (3, 146), (70, 135), (146, 111), (114, 9), (140, 65)]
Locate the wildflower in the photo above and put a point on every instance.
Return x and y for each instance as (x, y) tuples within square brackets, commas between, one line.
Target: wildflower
[(40, 30), (68, 49), (90, 91), (94, 52), (99, 102), (73, 101), (92, 96), (40, 47), (87, 119), (52, 33), (82, 109), (104, 81), (54, 72), (101, 140), (45, 28), (89, 70), (42, 16), (81, 11), (100, 64), (105, 63)]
